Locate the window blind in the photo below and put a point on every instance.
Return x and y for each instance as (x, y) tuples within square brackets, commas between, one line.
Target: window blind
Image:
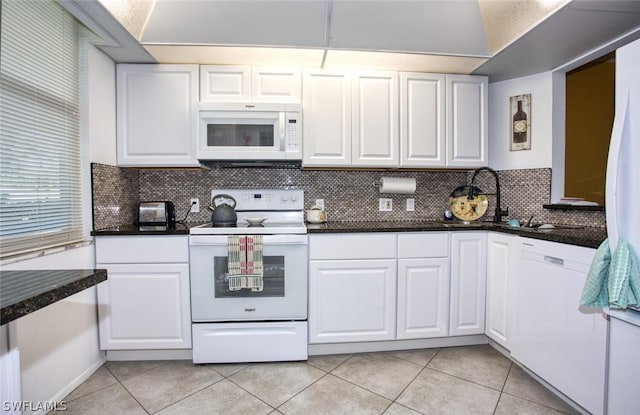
[(40, 181)]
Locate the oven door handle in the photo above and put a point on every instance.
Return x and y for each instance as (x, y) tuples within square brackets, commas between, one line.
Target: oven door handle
[(266, 240)]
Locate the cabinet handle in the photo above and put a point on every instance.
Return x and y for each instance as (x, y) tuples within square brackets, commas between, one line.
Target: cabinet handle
[(554, 260)]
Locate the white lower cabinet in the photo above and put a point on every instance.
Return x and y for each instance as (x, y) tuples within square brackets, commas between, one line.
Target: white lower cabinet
[(468, 283), (380, 286), (556, 338), (352, 288), (144, 304), (423, 285), (500, 286), (352, 300)]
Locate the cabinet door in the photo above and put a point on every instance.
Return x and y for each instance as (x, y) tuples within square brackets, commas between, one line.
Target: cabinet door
[(500, 273), (423, 298), (156, 115), (468, 283), (145, 306), (467, 130), (225, 83), (276, 84), (327, 119), (352, 300), (375, 140), (422, 120)]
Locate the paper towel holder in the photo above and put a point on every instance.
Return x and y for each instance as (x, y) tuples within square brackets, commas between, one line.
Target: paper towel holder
[(410, 182)]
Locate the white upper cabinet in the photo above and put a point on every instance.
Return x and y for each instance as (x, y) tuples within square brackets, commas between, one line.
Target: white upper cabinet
[(350, 118), (327, 118), (406, 119), (156, 115), (225, 83), (467, 130), (422, 120), (375, 120), (250, 84), (276, 84)]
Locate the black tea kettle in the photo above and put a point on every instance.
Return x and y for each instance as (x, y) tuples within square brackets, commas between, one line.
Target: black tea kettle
[(224, 214)]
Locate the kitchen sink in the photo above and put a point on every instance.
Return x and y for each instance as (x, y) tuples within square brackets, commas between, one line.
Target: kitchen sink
[(535, 227), (543, 227)]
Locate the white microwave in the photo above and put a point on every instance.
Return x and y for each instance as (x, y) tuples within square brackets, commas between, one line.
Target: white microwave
[(260, 131)]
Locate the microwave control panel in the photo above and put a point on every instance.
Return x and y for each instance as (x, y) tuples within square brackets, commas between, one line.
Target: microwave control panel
[(292, 132)]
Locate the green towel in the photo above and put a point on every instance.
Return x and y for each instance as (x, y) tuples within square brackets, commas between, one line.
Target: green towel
[(624, 277), (594, 293), (613, 280)]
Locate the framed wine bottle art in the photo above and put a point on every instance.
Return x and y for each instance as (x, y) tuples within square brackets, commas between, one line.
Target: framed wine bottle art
[(520, 110)]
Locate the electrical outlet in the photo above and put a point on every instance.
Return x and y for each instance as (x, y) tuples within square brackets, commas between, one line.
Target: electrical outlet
[(195, 205), (385, 205), (320, 203), (411, 204)]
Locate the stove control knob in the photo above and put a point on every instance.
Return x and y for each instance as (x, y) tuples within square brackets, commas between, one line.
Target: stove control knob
[(294, 198), (285, 198)]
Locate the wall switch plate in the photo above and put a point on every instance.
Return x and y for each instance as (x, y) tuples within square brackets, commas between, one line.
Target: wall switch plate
[(195, 205), (411, 204), (385, 205), (320, 203)]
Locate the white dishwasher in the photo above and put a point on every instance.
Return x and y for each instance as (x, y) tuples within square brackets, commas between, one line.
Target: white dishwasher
[(553, 336)]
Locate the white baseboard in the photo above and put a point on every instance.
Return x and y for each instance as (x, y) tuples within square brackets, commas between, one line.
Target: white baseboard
[(122, 355), (58, 397), (385, 346)]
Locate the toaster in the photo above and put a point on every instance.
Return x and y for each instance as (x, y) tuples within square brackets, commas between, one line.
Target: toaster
[(156, 213)]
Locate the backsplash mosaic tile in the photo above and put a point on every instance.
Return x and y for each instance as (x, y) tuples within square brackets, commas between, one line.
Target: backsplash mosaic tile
[(115, 193), (348, 195)]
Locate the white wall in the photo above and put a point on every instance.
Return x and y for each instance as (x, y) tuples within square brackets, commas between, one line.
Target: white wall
[(540, 156), (59, 344)]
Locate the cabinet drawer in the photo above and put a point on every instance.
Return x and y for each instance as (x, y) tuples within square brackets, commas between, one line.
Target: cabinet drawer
[(142, 249), (353, 246), (249, 342), (423, 245)]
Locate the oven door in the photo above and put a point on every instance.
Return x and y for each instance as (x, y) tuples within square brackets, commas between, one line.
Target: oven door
[(284, 292)]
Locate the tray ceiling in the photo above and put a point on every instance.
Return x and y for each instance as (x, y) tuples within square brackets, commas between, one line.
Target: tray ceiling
[(499, 38)]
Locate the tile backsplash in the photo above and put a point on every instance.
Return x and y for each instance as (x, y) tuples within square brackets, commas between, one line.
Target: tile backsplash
[(348, 195)]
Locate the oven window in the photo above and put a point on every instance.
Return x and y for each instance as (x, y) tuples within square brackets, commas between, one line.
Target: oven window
[(272, 280), (240, 135)]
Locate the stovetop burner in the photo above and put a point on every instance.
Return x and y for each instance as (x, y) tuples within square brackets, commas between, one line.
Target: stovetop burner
[(260, 212)]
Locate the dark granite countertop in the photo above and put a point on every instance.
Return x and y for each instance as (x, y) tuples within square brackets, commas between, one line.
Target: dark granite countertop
[(23, 292), (177, 229), (587, 236), (590, 237)]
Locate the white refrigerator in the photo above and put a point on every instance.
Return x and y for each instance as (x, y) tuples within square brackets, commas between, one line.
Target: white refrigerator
[(623, 220)]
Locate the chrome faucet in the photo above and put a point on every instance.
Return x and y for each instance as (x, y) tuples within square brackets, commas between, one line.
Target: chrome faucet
[(499, 213)]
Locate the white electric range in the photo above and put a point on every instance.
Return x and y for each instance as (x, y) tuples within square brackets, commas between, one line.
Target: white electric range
[(253, 323)]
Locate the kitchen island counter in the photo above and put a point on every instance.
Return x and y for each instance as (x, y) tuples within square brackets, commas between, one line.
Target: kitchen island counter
[(23, 292), (590, 237)]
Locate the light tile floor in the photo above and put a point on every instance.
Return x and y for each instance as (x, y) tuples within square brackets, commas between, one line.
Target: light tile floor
[(455, 380)]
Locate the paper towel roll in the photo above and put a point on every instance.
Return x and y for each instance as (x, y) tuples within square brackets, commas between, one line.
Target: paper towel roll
[(397, 185)]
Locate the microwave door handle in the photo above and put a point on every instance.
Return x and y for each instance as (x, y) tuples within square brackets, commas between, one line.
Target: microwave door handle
[(282, 130)]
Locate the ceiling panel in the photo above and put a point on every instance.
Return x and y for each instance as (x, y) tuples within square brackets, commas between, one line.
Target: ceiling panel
[(241, 22), (580, 27), (437, 26)]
